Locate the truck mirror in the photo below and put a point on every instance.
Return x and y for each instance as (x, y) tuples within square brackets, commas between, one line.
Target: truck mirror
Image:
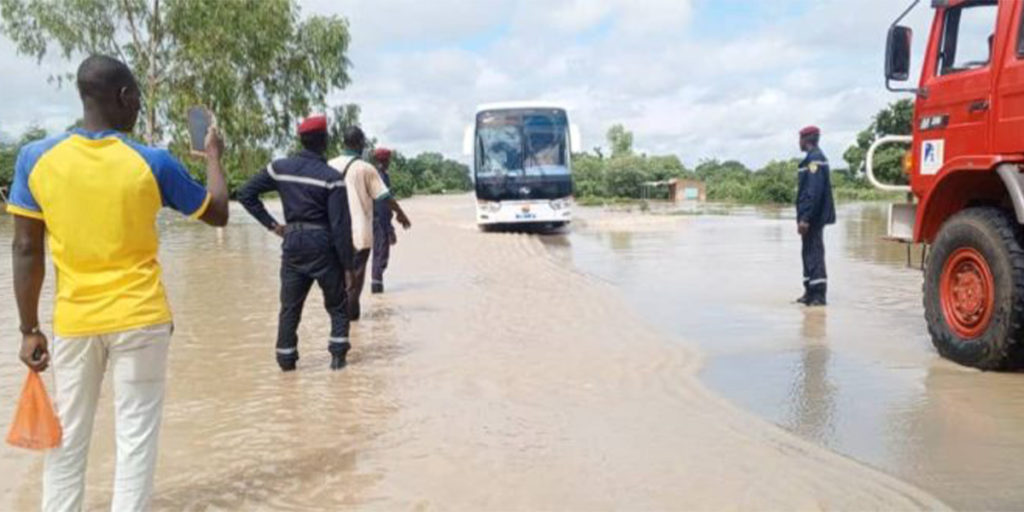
[(897, 53)]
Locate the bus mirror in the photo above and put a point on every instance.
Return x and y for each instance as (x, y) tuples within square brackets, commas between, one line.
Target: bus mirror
[(897, 53), (467, 141), (575, 142)]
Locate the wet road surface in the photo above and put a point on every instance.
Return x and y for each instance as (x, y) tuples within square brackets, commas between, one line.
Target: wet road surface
[(502, 372), (859, 377)]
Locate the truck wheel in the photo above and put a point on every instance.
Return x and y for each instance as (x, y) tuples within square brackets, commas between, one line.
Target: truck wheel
[(974, 290)]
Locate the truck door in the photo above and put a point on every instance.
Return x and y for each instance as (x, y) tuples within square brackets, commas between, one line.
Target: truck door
[(1009, 130), (953, 120)]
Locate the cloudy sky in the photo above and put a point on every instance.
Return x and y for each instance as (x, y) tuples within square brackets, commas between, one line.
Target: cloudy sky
[(732, 79)]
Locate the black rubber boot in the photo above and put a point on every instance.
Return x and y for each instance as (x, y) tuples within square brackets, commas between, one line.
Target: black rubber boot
[(287, 366), (817, 297), (377, 288), (805, 297), (338, 361)]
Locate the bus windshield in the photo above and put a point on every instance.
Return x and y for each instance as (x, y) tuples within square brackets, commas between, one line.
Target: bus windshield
[(522, 143)]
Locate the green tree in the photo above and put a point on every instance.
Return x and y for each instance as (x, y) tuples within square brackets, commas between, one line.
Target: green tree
[(588, 175), (9, 154), (666, 167), (255, 63), (625, 176), (620, 140), (775, 183), (428, 173), (896, 119)]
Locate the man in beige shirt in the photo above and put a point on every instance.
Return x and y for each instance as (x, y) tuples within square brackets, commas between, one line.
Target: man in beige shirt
[(364, 186)]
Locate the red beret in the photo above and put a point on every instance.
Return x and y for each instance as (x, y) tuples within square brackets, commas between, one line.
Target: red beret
[(810, 130), (382, 155), (317, 123)]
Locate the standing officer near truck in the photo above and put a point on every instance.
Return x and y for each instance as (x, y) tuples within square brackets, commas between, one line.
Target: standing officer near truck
[(815, 209), (317, 238)]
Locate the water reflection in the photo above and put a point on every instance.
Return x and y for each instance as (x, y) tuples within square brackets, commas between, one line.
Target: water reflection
[(859, 377), (813, 395), (863, 225)]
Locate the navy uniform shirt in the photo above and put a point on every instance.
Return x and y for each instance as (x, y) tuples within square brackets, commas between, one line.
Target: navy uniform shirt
[(382, 213), (814, 203), (311, 191)]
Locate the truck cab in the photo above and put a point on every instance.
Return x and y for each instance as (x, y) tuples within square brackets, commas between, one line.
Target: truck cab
[(966, 190)]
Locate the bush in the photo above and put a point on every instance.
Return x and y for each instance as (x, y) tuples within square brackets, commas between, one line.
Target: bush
[(625, 176), (428, 173), (622, 176), (605, 180), (9, 154)]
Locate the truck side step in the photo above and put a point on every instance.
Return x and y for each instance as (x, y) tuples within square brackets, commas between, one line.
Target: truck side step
[(902, 217)]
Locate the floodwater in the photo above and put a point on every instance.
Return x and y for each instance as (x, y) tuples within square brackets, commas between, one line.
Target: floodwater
[(569, 372), (859, 377)]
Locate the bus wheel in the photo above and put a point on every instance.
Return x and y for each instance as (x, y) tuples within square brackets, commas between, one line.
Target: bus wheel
[(974, 290)]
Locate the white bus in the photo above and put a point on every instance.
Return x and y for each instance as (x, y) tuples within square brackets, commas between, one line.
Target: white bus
[(522, 164)]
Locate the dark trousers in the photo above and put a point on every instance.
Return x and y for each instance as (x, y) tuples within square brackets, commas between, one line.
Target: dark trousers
[(381, 255), (355, 279), (815, 275), (309, 256)]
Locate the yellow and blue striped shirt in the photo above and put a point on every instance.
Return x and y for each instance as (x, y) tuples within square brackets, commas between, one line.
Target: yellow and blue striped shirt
[(99, 194)]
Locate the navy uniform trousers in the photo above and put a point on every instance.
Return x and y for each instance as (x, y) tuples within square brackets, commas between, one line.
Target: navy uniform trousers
[(381, 253), (308, 256), (813, 252)]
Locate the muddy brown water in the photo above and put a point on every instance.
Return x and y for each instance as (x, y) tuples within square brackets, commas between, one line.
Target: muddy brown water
[(520, 372), (859, 377)]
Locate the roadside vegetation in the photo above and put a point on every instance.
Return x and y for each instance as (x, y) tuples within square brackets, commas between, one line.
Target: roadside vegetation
[(619, 176), (426, 173)]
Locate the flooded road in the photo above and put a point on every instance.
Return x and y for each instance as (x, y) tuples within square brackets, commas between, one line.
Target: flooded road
[(859, 377), (511, 372)]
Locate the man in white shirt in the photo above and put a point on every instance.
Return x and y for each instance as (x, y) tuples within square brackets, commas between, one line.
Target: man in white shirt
[(364, 187)]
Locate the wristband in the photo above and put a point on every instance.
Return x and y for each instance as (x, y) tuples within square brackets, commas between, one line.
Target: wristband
[(30, 330)]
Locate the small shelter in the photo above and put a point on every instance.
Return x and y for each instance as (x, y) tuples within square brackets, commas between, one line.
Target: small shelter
[(679, 191)]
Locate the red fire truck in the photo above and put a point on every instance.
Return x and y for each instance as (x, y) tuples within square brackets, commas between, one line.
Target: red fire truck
[(966, 192)]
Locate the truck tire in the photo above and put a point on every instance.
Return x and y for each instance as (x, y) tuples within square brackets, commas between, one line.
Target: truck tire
[(974, 290)]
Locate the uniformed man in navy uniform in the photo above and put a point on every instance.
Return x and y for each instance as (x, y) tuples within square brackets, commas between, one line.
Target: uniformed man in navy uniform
[(815, 209), (317, 238)]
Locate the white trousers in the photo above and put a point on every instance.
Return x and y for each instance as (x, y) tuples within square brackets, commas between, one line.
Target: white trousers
[(138, 361)]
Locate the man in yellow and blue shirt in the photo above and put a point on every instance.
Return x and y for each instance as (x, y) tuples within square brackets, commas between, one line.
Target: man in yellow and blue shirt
[(95, 195)]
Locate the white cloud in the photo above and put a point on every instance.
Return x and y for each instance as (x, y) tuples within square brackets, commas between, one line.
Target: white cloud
[(420, 68), (27, 98)]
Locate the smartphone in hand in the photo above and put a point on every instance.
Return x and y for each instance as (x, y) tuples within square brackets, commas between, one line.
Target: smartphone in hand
[(199, 122)]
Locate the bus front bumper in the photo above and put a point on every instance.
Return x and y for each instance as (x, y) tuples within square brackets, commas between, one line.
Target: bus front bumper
[(522, 212)]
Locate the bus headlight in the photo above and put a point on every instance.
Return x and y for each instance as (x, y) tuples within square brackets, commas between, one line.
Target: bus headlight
[(560, 204), (489, 206)]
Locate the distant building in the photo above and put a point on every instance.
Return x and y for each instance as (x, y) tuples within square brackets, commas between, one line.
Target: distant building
[(679, 191)]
